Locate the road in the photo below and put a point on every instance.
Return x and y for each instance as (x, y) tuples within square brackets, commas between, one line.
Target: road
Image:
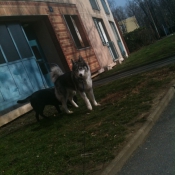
[(156, 156), (140, 69)]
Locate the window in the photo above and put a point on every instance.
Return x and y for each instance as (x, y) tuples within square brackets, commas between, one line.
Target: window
[(113, 50), (114, 30), (2, 60), (105, 7), (94, 4), (105, 38), (77, 31), (117, 38), (101, 30), (20, 40), (6, 43)]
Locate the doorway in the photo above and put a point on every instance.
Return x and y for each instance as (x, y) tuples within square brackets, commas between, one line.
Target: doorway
[(20, 72)]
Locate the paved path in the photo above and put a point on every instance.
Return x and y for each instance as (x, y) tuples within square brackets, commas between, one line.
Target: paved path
[(157, 155), (140, 69)]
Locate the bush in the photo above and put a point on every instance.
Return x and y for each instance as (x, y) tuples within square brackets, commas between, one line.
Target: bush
[(139, 38)]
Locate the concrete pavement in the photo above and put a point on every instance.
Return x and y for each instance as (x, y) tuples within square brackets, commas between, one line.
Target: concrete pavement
[(157, 155), (115, 166)]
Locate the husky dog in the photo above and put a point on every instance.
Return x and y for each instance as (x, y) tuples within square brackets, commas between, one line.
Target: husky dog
[(78, 80), (55, 73), (41, 98)]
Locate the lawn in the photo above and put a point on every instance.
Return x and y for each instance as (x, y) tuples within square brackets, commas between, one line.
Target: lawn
[(82, 142), (160, 49)]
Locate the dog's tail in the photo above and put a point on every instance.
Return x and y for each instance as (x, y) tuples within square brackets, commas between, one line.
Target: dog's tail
[(24, 100), (55, 73)]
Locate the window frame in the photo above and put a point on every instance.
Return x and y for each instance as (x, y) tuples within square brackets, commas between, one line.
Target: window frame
[(2, 57), (116, 34), (77, 31), (96, 3), (103, 38), (100, 26), (105, 7)]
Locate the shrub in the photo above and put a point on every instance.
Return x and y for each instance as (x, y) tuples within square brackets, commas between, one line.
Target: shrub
[(139, 38)]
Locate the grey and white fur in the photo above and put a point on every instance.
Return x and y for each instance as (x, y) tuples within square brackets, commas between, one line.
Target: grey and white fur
[(78, 80)]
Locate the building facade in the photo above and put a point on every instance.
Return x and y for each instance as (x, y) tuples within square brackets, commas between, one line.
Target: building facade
[(35, 35), (128, 25)]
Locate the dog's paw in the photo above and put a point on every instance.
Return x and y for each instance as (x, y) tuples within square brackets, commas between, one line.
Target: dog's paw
[(98, 104), (89, 108), (70, 112)]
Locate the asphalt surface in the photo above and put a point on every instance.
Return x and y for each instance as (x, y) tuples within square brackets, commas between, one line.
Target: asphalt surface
[(135, 71), (156, 156)]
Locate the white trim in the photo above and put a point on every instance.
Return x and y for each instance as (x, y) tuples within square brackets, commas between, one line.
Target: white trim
[(12, 115)]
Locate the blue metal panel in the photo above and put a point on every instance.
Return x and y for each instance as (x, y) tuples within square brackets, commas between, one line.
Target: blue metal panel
[(1, 97), (48, 80), (34, 74), (8, 87), (20, 77)]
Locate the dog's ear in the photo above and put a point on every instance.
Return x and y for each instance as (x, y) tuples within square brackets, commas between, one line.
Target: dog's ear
[(80, 59), (72, 61)]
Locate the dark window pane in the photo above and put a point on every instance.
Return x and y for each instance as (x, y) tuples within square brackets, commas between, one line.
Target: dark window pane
[(36, 52), (39, 59), (20, 40), (2, 60), (99, 30), (113, 50), (7, 45), (79, 30), (94, 5), (114, 30), (72, 30), (43, 67), (105, 6), (117, 38)]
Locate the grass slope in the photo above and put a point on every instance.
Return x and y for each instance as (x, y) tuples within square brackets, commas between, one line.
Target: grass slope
[(81, 142), (156, 51)]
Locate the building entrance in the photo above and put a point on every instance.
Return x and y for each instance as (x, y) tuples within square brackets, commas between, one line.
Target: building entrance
[(21, 71)]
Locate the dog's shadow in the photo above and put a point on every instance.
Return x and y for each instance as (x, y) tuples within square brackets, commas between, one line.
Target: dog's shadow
[(47, 122)]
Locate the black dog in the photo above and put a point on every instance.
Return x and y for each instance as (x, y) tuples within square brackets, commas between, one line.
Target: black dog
[(41, 98)]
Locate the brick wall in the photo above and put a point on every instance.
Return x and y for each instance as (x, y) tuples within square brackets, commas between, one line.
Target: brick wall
[(22, 8)]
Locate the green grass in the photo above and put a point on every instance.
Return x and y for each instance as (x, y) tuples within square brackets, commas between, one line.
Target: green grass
[(56, 146), (161, 49)]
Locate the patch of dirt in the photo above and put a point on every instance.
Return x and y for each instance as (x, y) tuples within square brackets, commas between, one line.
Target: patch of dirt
[(110, 98)]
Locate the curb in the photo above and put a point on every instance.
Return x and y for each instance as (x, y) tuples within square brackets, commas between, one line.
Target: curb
[(133, 68), (115, 166)]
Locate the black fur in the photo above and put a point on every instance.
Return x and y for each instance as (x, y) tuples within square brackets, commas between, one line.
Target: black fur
[(40, 99)]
